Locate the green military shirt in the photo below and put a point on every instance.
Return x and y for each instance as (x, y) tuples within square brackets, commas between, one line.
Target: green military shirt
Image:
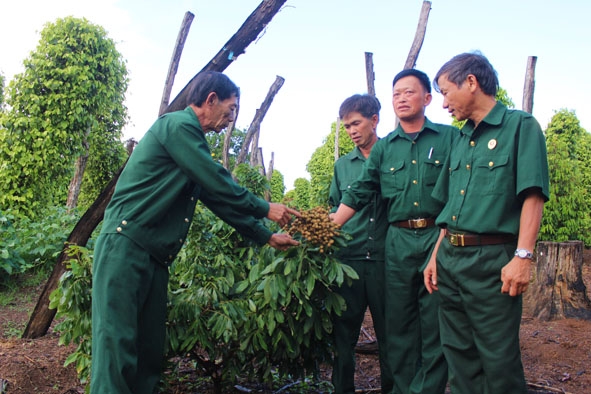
[(404, 171), (367, 227), (169, 170), (488, 169)]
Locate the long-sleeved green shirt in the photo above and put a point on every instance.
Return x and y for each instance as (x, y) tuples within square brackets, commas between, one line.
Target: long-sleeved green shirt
[(404, 172), (367, 227), (169, 170)]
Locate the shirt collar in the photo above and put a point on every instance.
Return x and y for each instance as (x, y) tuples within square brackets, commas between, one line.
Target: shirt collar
[(493, 118), (399, 132)]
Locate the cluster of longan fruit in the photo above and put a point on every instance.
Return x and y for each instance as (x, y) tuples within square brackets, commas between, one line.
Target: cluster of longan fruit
[(316, 227)]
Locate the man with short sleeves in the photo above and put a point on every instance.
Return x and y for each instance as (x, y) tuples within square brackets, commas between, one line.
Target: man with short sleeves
[(403, 168), (494, 193)]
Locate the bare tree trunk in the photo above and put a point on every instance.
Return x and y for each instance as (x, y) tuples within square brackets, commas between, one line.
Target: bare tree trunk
[(258, 118), (248, 32), (370, 74), (529, 85), (270, 175), (174, 62), (415, 48), (76, 182), (42, 316), (228, 139), (557, 289), (336, 138), (254, 148)]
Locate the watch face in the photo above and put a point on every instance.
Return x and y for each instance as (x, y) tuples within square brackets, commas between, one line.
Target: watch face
[(522, 253)]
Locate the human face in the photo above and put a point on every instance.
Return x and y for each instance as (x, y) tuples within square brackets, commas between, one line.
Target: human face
[(222, 113), (456, 99), (409, 99), (362, 130)]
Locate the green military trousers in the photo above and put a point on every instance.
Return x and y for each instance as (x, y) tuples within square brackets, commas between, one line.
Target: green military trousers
[(128, 317), (412, 327), (368, 290), (479, 324)]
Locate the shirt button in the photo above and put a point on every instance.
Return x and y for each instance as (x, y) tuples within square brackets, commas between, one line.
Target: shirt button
[(124, 222), (462, 192), (348, 186), (468, 167), (119, 229), (490, 164), (414, 181), (416, 204), (472, 143), (453, 218), (192, 198), (392, 169), (170, 257), (371, 219), (414, 162), (186, 220), (371, 238), (436, 161), (181, 240)]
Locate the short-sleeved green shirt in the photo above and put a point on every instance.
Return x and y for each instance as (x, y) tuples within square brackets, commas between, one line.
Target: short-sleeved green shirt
[(169, 170), (488, 168), (404, 172), (367, 227)]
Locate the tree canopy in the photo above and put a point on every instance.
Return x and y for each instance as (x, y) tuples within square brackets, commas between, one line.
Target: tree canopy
[(68, 102)]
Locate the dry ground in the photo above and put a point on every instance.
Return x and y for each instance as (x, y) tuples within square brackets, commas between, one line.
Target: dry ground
[(556, 354)]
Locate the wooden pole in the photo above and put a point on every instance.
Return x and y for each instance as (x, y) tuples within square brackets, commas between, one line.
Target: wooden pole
[(415, 48), (529, 85), (236, 45), (174, 62), (258, 118), (370, 74), (228, 139), (336, 138)]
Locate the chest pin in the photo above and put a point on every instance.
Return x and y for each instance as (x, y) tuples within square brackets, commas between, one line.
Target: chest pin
[(492, 144)]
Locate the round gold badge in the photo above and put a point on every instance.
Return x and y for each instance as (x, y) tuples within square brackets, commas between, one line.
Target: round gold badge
[(492, 144)]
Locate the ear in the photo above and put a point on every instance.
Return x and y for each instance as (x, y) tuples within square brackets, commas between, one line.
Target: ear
[(428, 98), (211, 98), (375, 119), (472, 82)]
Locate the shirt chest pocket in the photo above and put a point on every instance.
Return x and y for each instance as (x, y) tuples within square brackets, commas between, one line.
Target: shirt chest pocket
[(392, 177), (431, 169), (490, 173)]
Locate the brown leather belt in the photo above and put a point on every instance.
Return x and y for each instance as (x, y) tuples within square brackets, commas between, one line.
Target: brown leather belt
[(415, 223), (478, 239)]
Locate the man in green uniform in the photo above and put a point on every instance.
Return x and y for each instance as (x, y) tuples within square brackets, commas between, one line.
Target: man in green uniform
[(364, 252), (403, 167), (494, 194), (145, 227)]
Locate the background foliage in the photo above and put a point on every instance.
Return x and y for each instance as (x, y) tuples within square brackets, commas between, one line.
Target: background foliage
[(67, 102)]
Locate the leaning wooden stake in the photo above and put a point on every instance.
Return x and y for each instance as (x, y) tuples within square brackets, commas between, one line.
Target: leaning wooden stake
[(174, 62), (415, 48), (258, 118), (42, 316), (529, 85), (248, 32)]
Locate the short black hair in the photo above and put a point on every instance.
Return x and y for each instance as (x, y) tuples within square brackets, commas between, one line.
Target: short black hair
[(211, 81), (421, 76), (366, 104), (460, 66)]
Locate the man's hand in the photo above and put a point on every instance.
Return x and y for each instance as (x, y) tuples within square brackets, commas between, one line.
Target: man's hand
[(282, 241), (430, 275), (281, 214), (515, 276)]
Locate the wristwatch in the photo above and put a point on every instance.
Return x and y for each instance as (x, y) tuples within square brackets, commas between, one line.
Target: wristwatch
[(524, 254)]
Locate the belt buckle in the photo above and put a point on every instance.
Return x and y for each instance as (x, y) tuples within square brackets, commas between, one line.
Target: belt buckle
[(420, 223), (456, 239)]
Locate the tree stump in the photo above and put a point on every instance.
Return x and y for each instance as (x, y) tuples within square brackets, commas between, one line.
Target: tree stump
[(557, 289)]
